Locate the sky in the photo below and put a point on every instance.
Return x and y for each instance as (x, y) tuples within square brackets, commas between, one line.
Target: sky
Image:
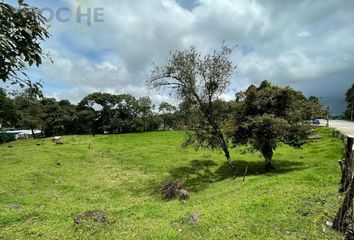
[(304, 44)]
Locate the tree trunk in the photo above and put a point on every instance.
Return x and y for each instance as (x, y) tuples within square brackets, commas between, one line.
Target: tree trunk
[(267, 152), (343, 222), (225, 149), (340, 224), (223, 144), (347, 166), (33, 135)]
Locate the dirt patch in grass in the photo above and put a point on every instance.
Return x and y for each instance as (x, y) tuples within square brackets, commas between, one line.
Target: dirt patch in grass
[(13, 206), (93, 216), (191, 220)]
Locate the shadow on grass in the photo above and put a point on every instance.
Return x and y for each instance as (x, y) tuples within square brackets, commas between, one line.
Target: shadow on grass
[(198, 174)]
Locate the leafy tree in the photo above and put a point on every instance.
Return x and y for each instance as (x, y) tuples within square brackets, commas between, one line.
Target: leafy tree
[(167, 112), (8, 113), (102, 104), (22, 29), (125, 115), (199, 81), (268, 115), (144, 109), (87, 119), (349, 98), (118, 113), (59, 118), (313, 109), (29, 109), (68, 115), (51, 117)]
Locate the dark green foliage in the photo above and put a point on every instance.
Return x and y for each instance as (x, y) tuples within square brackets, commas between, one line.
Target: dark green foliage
[(95, 114), (313, 109), (29, 110), (168, 114), (117, 113), (349, 98), (268, 115), (86, 119), (22, 29), (144, 114), (101, 107), (8, 114), (4, 138), (59, 118)]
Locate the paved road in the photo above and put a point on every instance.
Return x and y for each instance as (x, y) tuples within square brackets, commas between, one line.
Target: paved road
[(345, 127)]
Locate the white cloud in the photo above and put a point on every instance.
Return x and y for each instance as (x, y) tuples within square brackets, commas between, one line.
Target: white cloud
[(288, 42), (303, 34)]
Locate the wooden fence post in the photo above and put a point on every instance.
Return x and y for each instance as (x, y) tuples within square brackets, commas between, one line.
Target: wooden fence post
[(347, 166), (343, 220)]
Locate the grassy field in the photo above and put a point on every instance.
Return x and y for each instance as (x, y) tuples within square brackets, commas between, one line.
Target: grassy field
[(42, 188)]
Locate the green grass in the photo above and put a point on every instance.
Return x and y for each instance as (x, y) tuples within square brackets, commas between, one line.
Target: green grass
[(122, 173)]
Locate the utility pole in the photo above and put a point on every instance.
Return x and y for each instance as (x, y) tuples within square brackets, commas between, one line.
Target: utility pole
[(327, 125), (351, 112)]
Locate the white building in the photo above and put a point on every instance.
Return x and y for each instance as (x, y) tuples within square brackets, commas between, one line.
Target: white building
[(23, 134)]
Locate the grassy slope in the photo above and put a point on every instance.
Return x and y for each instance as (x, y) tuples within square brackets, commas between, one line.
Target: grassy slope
[(121, 173)]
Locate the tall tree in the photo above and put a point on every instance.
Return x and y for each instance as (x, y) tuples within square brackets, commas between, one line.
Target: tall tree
[(102, 104), (144, 109), (268, 115), (87, 119), (22, 29), (8, 113), (167, 112), (349, 98), (51, 117), (68, 115), (313, 109), (125, 114), (29, 109), (59, 118), (199, 81)]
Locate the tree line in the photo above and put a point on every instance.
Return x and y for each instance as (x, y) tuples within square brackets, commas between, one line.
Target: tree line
[(261, 116), (96, 113)]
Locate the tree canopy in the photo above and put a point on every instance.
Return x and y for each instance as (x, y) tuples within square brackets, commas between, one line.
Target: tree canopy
[(349, 98), (167, 112), (8, 113), (22, 29), (267, 115)]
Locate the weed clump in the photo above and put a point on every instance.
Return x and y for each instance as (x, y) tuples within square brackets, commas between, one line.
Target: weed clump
[(175, 189)]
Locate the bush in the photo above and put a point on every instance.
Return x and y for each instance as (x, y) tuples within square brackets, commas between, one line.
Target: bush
[(4, 138)]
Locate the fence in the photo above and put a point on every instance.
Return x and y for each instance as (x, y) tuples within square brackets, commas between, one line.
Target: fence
[(343, 221)]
